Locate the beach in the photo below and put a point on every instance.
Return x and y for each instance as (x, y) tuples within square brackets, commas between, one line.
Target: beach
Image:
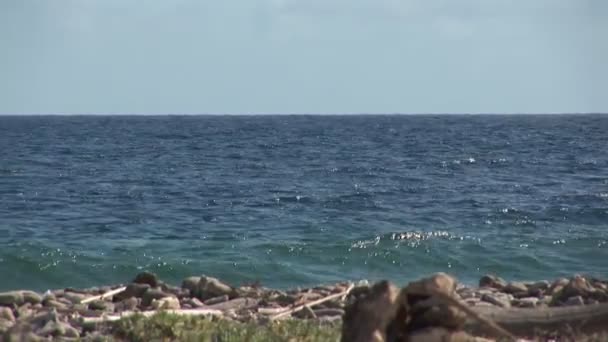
[(92, 314)]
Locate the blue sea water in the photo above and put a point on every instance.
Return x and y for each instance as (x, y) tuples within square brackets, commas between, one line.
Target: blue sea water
[(301, 200)]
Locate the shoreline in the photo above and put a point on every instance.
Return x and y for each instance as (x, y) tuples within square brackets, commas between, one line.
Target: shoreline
[(72, 313)]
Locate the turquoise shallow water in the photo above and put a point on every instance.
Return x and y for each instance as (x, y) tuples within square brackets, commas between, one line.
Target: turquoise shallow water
[(296, 200)]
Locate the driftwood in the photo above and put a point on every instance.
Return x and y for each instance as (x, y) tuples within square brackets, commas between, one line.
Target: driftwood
[(312, 303), (587, 319), (125, 314), (428, 310), (103, 296)]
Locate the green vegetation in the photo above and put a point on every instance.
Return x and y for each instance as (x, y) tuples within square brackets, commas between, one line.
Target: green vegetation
[(165, 327)]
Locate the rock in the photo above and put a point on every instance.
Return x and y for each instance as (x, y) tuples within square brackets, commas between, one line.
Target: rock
[(31, 297), (166, 303), (101, 305), (328, 312), (542, 285), (437, 334), (209, 287), (236, 304), (368, 317), (191, 284), (128, 304), (152, 294), (195, 302), (578, 286), (216, 300), (329, 319), (55, 304), (306, 313), (132, 290), (576, 300), (74, 297), (5, 325), (58, 329), (438, 282), (492, 281), (146, 278), (485, 304), (24, 311), (557, 285), (7, 314), (11, 298), (497, 299), (527, 302), (515, 287), (466, 293)]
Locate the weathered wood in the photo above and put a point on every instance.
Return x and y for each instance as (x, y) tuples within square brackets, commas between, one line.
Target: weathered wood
[(125, 314), (103, 296), (313, 303), (587, 319)]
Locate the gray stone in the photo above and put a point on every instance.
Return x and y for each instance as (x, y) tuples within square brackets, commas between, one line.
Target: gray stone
[(11, 298), (306, 313), (527, 302), (497, 299), (236, 304), (542, 285), (55, 304), (209, 287), (191, 284), (101, 305), (166, 303), (146, 278), (5, 325), (515, 287), (152, 294), (576, 300), (128, 304), (195, 302), (7, 314), (74, 297), (58, 329), (329, 312), (492, 281), (216, 300), (31, 297), (132, 290)]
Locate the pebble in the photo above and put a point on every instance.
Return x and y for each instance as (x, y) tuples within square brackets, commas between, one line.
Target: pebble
[(55, 304)]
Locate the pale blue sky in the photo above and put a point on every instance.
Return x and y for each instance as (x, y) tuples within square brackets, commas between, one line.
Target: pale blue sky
[(303, 56)]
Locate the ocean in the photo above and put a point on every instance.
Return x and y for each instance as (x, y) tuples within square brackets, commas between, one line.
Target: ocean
[(301, 200)]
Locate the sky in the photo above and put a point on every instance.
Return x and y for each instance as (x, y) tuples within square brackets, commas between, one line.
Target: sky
[(303, 56)]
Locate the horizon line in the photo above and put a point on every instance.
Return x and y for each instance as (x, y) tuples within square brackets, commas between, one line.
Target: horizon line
[(298, 114)]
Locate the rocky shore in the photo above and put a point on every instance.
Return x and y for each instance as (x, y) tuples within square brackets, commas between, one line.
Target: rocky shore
[(85, 314)]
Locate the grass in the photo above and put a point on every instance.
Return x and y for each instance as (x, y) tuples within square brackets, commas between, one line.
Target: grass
[(165, 327)]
